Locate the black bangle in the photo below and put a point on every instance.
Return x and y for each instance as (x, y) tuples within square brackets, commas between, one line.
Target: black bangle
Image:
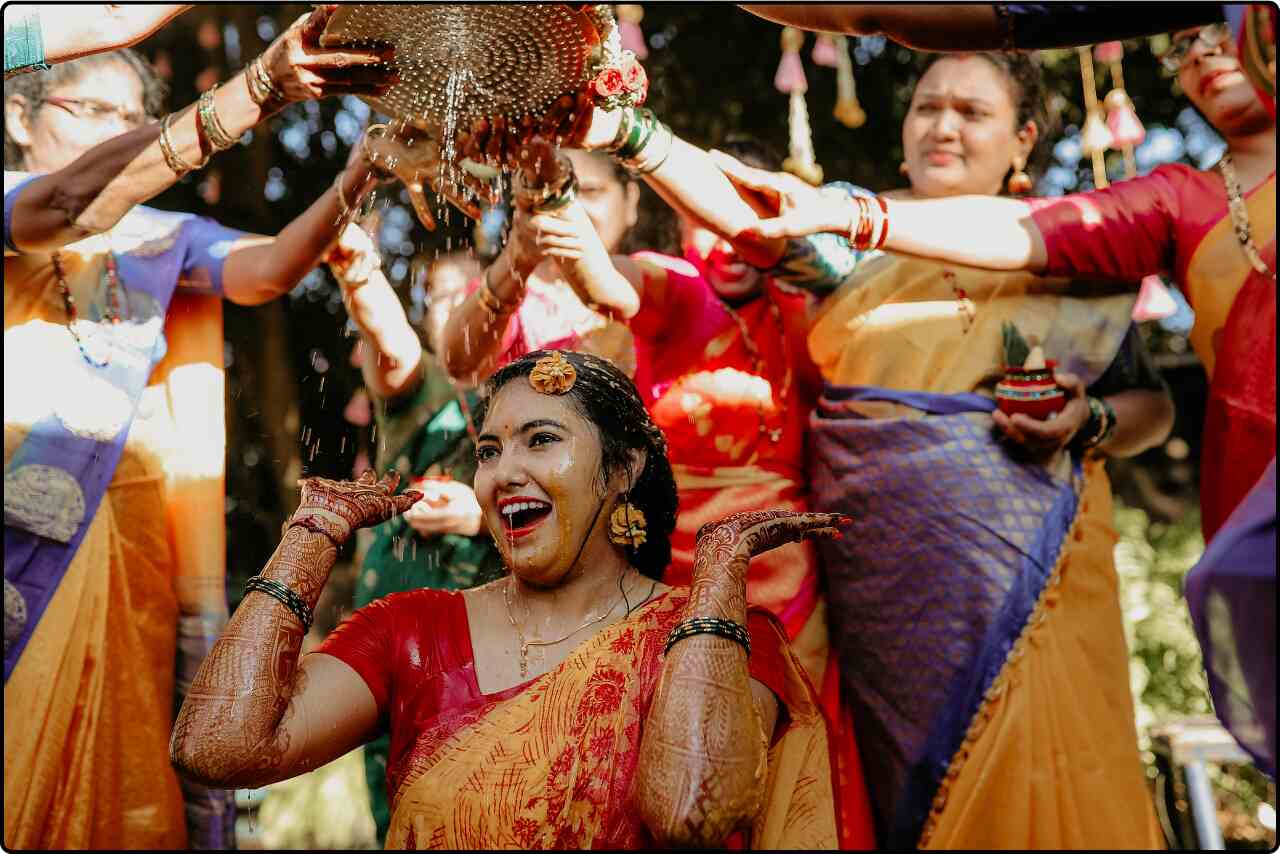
[(727, 629), (1099, 427), (285, 596)]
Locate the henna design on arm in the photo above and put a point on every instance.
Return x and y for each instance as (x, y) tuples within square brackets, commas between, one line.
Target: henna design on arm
[(704, 753), (242, 724)]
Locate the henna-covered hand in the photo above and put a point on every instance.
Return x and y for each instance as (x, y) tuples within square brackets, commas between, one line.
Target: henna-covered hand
[(725, 548), (704, 753), (339, 507), (304, 69)]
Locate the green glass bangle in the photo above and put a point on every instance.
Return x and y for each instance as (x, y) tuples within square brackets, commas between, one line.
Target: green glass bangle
[(24, 46)]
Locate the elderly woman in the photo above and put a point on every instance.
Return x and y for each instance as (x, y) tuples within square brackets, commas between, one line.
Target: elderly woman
[(114, 449), (538, 710), (1214, 231)]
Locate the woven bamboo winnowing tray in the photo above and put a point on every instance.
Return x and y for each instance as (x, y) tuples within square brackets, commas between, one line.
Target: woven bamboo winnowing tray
[(489, 59)]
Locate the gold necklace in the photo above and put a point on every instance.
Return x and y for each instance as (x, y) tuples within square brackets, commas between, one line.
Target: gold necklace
[(775, 435), (1240, 216), (525, 644)]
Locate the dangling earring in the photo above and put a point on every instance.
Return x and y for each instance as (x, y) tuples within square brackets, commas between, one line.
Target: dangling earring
[(626, 525), (1019, 181), (903, 169)]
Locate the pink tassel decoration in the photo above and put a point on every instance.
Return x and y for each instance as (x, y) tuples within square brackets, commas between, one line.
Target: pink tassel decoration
[(1108, 52), (790, 77), (1122, 120), (629, 17), (1154, 301), (1095, 138), (824, 51)]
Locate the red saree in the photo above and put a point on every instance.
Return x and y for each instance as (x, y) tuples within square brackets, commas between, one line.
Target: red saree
[(551, 763), (735, 422), (1175, 220)]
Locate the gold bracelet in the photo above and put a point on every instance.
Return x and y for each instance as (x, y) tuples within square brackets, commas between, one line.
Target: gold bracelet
[(262, 89), (179, 166), (207, 112), (344, 209), (490, 301)]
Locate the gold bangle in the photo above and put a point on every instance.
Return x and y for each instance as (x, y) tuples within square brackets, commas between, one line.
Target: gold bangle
[(262, 89), (179, 166), (207, 112), (490, 301), (344, 209)]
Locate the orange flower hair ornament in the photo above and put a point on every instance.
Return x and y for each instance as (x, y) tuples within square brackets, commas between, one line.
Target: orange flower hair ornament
[(553, 374)]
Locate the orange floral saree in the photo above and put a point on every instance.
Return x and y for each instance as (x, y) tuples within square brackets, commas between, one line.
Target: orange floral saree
[(552, 763)]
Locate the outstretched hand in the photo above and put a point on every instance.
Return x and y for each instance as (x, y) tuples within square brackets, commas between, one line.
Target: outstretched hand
[(798, 208), (340, 507), (303, 69), (418, 161), (743, 536)]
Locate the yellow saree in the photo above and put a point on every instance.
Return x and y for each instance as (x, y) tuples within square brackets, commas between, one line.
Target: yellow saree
[(996, 713), (552, 764), (89, 704)]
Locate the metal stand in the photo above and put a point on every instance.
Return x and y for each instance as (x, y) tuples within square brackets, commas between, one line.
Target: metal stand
[(1182, 750)]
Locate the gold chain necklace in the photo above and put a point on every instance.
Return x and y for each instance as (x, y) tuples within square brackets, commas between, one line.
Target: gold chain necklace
[(775, 435), (525, 644), (1240, 216)]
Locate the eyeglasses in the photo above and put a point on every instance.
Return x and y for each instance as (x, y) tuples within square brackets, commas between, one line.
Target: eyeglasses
[(97, 111), (1209, 36)]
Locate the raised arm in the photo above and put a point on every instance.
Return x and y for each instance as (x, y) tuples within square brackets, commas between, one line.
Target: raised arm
[(254, 715), (704, 752), (48, 29), (982, 26), (547, 222), (94, 192), (941, 26), (978, 231), (390, 365)]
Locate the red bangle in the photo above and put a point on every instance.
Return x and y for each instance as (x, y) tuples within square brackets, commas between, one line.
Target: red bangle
[(884, 222)]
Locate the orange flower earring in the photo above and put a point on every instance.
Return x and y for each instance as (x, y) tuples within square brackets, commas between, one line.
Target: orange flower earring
[(627, 525)]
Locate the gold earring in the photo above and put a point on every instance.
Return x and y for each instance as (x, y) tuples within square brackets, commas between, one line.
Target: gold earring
[(626, 525), (903, 169), (1019, 181)]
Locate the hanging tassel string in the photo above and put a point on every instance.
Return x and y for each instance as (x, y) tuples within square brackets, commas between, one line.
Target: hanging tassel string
[(848, 111), (1095, 138)]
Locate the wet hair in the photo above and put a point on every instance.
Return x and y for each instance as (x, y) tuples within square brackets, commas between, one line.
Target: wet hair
[(35, 86), (604, 395), (1025, 79)]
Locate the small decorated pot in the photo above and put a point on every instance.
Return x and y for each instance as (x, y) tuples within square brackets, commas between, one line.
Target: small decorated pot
[(1031, 391)]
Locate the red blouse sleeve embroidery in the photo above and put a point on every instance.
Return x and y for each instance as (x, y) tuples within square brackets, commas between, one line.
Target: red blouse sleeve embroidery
[(1124, 232)]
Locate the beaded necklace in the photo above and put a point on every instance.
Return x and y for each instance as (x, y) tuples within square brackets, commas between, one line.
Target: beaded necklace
[(112, 312), (1240, 216)]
